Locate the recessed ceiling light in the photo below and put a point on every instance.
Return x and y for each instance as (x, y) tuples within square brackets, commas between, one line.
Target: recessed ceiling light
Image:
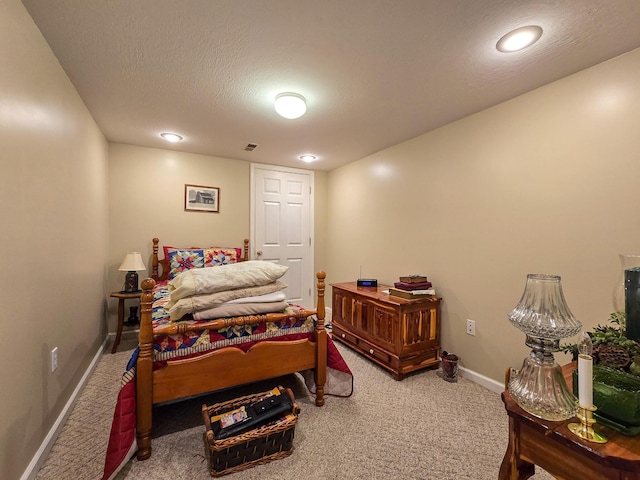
[(307, 158), (171, 137), (519, 38), (290, 105)]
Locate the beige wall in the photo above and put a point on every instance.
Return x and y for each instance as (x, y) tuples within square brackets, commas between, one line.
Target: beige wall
[(146, 198), (544, 183), (53, 206)]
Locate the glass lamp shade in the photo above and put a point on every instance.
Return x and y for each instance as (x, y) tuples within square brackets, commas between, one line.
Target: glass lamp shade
[(544, 316)]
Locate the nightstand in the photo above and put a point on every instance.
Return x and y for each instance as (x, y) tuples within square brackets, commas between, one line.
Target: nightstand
[(122, 297)]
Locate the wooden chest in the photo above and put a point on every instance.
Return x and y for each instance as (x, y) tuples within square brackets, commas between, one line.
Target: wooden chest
[(400, 335)]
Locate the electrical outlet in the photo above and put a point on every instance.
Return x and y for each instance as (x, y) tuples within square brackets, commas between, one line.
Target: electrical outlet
[(54, 359), (471, 327)]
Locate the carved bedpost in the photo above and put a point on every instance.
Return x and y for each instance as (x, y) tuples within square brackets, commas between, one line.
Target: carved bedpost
[(321, 339), (245, 255), (155, 262), (320, 306), (144, 371)]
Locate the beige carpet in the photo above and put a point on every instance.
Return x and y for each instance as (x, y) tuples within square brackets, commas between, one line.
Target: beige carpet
[(419, 428)]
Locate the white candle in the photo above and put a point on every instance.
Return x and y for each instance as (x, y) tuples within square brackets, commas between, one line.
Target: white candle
[(585, 380)]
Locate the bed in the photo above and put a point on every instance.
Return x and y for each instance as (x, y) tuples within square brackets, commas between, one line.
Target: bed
[(269, 345)]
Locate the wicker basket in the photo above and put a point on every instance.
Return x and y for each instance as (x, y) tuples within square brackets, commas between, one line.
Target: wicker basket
[(255, 447)]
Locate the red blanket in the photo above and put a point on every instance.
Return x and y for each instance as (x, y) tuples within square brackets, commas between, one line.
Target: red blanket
[(122, 439)]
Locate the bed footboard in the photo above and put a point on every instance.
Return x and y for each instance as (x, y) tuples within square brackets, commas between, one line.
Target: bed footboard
[(275, 358)]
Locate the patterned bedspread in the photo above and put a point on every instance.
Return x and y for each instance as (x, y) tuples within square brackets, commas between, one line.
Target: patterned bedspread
[(167, 347)]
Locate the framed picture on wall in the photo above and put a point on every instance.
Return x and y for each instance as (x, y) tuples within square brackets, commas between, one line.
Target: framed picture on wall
[(198, 198)]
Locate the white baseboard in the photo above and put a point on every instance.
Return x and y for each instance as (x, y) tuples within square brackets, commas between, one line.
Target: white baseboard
[(41, 455), (486, 382)]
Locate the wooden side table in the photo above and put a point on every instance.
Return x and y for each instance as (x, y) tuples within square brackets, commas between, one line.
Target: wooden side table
[(122, 297), (533, 441)]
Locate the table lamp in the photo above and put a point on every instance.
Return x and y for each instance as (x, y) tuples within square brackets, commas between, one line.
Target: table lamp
[(544, 316), (131, 264)]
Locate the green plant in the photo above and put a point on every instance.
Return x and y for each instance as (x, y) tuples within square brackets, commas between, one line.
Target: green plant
[(610, 345), (615, 334)]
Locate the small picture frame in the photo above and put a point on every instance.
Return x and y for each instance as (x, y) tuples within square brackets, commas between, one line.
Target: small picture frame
[(199, 198)]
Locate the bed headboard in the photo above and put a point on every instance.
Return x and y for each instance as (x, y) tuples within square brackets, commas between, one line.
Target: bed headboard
[(160, 266)]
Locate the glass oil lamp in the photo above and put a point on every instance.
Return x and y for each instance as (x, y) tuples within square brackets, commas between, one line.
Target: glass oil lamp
[(543, 315)]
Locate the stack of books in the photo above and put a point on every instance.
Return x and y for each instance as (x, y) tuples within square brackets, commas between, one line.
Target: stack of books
[(412, 287)]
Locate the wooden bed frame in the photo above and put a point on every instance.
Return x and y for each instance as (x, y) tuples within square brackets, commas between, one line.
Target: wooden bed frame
[(184, 378)]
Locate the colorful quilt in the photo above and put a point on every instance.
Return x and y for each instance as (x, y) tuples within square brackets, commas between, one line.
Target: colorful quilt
[(167, 347), (122, 440)]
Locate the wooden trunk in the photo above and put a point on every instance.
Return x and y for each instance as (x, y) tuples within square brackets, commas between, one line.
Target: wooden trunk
[(400, 335)]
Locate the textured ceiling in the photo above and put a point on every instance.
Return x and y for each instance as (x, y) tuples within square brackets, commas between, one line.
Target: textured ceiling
[(374, 72)]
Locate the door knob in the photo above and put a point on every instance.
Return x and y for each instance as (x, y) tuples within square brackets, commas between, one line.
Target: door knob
[(258, 252)]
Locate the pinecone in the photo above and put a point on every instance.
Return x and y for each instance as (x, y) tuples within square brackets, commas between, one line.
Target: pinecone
[(614, 356)]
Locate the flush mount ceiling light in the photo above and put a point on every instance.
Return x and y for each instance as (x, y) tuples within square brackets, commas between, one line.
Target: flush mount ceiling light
[(519, 38), (171, 137), (307, 158), (290, 105)]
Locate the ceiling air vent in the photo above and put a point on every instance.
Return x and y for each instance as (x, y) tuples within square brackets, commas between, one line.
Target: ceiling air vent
[(251, 147)]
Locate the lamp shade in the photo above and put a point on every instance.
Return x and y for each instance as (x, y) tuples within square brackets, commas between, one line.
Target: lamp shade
[(132, 263), (542, 311)]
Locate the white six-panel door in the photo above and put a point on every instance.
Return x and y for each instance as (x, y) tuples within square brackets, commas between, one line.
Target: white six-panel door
[(282, 226)]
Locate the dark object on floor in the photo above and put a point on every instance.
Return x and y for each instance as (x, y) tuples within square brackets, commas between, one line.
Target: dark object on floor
[(133, 317), (449, 366)]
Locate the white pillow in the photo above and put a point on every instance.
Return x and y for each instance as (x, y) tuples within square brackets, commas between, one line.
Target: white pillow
[(251, 273)]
